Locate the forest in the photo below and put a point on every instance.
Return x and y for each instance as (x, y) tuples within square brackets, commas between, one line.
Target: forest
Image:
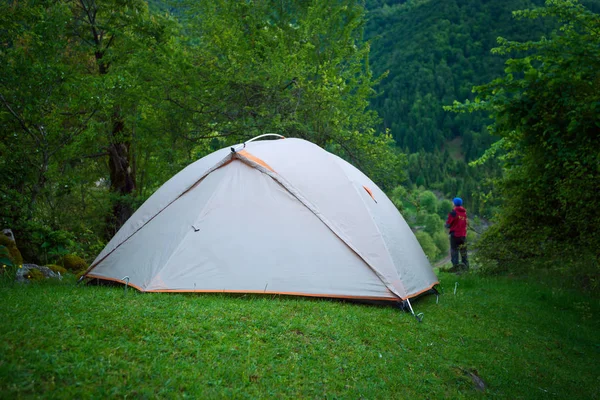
[(497, 102)]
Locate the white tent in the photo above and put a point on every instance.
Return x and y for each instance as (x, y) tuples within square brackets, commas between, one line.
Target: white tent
[(277, 216)]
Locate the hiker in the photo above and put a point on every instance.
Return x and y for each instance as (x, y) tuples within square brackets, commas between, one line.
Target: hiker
[(457, 223)]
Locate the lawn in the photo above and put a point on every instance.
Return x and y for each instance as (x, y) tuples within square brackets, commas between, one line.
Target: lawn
[(521, 338)]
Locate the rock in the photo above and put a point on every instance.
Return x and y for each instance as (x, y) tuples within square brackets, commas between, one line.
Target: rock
[(477, 381), (9, 233), (21, 275)]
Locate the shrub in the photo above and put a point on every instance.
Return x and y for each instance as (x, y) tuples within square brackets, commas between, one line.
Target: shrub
[(442, 241), (14, 252), (5, 258), (433, 223), (57, 268), (74, 263), (428, 202), (444, 208), (426, 242)]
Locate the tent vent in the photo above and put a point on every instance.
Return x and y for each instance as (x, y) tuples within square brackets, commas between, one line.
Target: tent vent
[(370, 193)]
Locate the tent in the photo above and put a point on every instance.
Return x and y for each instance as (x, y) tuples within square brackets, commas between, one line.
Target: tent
[(269, 216)]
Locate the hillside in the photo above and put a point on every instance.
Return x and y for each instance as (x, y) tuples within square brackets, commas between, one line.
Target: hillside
[(101, 343), (435, 52)]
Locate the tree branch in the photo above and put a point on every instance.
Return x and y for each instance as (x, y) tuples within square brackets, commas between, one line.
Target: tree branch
[(18, 118)]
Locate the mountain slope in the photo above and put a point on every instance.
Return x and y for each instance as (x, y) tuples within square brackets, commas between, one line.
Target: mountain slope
[(435, 51)]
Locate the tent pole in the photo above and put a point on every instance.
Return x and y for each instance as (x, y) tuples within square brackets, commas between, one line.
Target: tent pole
[(243, 145), (418, 316)]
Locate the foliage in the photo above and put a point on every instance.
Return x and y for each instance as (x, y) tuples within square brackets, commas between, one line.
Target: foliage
[(428, 202), (442, 241), (433, 224), (74, 263), (280, 67), (444, 208), (546, 113), (5, 258), (427, 244), (426, 215), (286, 347), (397, 196), (11, 247), (434, 52), (101, 103)]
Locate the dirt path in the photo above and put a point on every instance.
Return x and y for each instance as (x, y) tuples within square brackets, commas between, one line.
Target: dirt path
[(442, 261)]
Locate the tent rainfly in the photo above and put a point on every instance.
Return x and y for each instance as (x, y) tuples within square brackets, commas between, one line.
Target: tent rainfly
[(273, 216)]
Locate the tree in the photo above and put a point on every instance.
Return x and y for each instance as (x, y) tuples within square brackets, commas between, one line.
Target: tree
[(445, 206), (76, 82), (45, 108), (281, 67), (545, 110), (121, 39), (427, 244), (428, 202), (433, 224), (440, 238)]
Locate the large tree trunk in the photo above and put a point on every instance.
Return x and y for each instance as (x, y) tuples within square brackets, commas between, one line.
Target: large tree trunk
[(122, 176)]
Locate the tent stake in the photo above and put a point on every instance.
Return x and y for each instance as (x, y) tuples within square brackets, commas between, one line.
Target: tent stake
[(126, 279), (418, 316)]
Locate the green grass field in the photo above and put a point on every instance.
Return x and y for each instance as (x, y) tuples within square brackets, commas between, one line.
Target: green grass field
[(523, 339)]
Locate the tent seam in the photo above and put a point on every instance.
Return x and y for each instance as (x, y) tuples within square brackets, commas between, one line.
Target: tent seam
[(302, 199), (224, 161), (166, 263), (380, 234)]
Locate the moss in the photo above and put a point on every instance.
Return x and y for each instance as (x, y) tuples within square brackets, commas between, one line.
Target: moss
[(57, 268), (74, 263), (15, 254), (35, 275)]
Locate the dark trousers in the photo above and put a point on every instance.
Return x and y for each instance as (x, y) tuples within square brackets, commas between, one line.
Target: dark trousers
[(458, 244)]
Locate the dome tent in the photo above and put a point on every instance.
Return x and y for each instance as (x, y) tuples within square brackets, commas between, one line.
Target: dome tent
[(274, 216)]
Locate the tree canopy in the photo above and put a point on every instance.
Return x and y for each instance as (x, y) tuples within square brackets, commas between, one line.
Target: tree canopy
[(546, 110), (101, 102)]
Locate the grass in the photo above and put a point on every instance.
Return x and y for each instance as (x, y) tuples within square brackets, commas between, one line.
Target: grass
[(523, 339)]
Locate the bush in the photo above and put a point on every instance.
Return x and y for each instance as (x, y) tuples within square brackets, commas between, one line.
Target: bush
[(57, 268), (427, 244), (442, 242), (14, 252), (5, 258), (74, 263), (433, 223), (444, 208), (428, 202)]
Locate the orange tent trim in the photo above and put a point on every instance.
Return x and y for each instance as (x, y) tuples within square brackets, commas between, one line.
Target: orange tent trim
[(257, 160), (333, 296)]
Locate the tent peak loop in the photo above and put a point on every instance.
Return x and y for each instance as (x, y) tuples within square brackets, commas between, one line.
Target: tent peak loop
[(243, 145)]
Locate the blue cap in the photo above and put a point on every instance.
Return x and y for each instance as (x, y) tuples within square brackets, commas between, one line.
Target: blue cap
[(457, 201)]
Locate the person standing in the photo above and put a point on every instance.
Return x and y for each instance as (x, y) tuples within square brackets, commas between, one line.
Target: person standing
[(457, 224)]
